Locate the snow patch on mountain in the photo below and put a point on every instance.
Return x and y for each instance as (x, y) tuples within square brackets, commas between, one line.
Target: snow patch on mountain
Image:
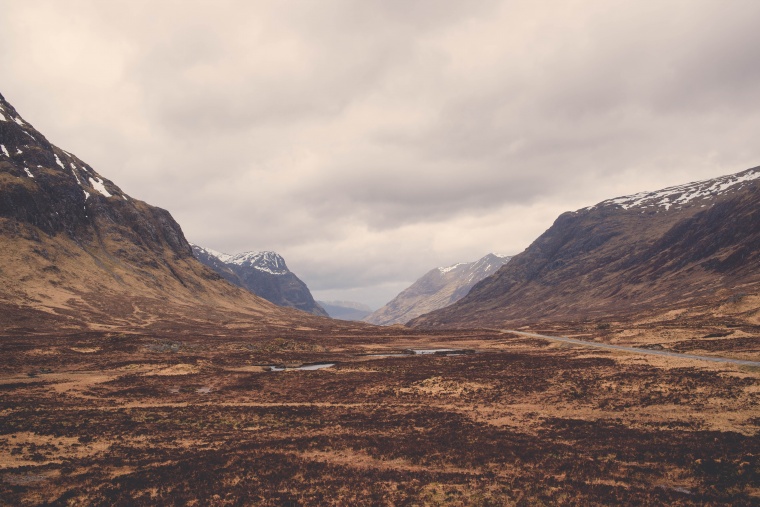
[(74, 172), (5, 151), (219, 255), (451, 268), (681, 195), (97, 184)]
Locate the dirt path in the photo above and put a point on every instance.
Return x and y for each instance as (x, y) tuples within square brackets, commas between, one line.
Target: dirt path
[(634, 350)]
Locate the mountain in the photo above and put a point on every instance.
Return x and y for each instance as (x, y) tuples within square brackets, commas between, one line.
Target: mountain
[(264, 274), (438, 288), (345, 310), (77, 253), (678, 247)]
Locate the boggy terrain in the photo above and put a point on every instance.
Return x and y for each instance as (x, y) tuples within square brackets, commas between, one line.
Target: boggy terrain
[(133, 419)]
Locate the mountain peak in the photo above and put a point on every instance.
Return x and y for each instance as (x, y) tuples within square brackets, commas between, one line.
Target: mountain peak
[(262, 273), (266, 261), (270, 262)]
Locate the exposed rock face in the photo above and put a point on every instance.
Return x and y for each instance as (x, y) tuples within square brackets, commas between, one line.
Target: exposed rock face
[(77, 252), (438, 288), (673, 248), (345, 310), (264, 274)]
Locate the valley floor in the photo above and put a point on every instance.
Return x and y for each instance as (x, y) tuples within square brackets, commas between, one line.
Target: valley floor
[(120, 419)]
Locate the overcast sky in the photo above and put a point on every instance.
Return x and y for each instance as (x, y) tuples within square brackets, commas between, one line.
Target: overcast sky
[(368, 141)]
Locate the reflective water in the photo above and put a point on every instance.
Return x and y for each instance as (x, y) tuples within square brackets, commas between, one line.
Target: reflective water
[(306, 367)]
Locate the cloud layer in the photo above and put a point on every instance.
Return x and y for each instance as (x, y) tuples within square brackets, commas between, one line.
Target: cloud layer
[(368, 142)]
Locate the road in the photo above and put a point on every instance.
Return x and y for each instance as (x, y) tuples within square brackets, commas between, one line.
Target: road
[(635, 350)]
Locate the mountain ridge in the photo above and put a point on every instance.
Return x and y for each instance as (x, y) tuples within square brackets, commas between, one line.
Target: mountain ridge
[(670, 248)]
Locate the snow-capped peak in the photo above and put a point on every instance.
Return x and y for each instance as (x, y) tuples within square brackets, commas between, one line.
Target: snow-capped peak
[(681, 195), (268, 262)]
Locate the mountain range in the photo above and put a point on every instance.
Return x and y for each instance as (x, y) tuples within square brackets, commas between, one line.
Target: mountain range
[(264, 274), (438, 288), (687, 245), (345, 310), (80, 254)]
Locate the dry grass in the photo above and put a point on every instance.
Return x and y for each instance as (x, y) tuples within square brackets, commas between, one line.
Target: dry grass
[(522, 422)]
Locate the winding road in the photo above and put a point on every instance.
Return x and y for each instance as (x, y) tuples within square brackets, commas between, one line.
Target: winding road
[(635, 350)]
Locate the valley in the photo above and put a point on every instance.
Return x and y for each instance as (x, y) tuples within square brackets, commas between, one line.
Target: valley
[(614, 361)]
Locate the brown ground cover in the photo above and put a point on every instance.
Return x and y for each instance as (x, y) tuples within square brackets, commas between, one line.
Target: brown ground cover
[(117, 419)]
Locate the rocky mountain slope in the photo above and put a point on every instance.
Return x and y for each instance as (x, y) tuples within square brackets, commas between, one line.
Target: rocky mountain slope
[(438, 288), (264, 274), (678, 247), (77, 253), (345, 310)]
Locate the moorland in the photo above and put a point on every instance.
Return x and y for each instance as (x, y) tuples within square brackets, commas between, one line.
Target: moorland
[(107, 418)]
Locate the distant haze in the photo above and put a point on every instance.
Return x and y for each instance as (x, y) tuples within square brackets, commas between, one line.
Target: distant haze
[(368, 142)]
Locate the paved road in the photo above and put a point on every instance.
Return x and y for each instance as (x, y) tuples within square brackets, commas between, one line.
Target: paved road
[(635, 350)]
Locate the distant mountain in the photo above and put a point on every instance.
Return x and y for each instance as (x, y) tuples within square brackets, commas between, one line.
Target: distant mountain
[(77, 253), (345, 310), (264, 274), (678, 247), (438, 288)]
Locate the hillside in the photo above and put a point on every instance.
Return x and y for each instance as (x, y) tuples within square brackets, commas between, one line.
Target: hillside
[(693, 244), (80, 254), (438, 288)]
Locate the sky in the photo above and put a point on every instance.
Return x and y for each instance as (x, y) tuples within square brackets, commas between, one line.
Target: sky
[(370, 141)]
